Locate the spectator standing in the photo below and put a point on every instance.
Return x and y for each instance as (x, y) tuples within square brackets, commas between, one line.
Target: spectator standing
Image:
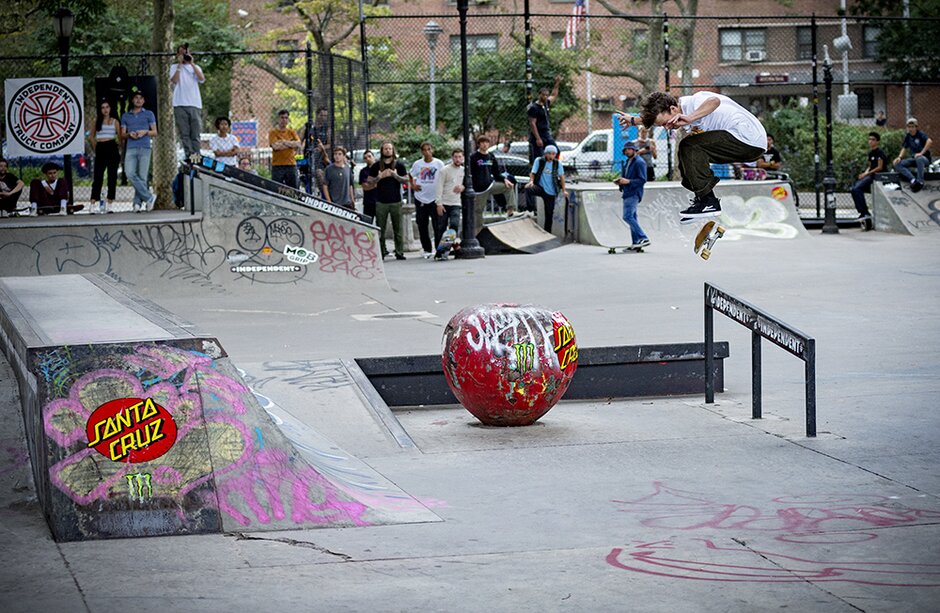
[(138, 126), (367, 182), (489, 178), (317, 139), (877, 162), (425, 173), (540, 130), (284, 142), (49, 196), (547, 180), (770, 159), (917, 144), (224, 144), (338, 181), (447, 196), (185, 77), (631, 181), (647, 151), (390, 175), (105, 139), (10, 189)]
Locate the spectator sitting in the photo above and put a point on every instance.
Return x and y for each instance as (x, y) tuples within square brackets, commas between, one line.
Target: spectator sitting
[(10, 189), (244, 163), (49, 196), (770, 159), (917, 144)]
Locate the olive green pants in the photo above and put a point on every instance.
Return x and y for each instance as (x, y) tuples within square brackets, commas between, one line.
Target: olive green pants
[(697, 151), (384, 210)]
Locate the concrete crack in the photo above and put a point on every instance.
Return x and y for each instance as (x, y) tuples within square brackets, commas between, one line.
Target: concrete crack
[(241, 536)]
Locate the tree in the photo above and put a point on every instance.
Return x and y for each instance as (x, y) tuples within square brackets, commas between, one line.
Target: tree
[(906, 47), (164, 145)]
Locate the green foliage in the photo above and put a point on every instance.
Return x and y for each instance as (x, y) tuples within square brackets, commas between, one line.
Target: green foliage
[(494, 107), (906, 47), (408, 144), (792, 128)]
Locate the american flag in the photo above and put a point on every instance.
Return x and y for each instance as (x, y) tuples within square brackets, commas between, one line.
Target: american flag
[(577, 17)]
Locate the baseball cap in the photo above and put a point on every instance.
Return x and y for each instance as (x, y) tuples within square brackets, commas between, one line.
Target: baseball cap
[(551, 149), (912, 120)]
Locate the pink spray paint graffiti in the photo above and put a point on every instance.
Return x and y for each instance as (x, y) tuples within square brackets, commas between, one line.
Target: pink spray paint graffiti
[(345, 248), (810, 521)]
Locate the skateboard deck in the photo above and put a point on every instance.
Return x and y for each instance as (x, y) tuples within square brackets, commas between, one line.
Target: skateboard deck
[(625, 248), (706, 238)]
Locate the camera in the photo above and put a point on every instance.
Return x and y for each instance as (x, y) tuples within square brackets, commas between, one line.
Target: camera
[(187, 57)]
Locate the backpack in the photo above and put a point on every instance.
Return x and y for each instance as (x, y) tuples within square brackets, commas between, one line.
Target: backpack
[(538, 173)]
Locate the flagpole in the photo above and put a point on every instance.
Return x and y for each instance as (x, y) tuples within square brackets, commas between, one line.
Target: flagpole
[(587, 33)]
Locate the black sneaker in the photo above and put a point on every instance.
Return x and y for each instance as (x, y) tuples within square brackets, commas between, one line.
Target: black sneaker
[(399, 256), (864, 217), (916, 186), (706, 207)]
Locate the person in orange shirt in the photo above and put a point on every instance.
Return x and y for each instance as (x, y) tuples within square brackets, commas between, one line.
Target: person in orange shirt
[(284, 144)]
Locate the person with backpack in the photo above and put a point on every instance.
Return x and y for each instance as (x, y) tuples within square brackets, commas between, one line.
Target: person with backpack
[(631, 181), (547, 181)]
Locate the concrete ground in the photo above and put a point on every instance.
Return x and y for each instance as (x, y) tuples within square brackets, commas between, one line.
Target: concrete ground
[(658, 504)]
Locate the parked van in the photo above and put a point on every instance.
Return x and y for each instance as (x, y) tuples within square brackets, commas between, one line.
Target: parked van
[(595, 155)]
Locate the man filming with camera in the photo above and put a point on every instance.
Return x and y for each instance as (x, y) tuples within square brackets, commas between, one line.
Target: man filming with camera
[(185, 76)]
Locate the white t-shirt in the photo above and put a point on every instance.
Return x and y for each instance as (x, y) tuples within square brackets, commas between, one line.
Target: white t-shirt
[(186, 91), (426, 174), (217, 143), (729, 116)]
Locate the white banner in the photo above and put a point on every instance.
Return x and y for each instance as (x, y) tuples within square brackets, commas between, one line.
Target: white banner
[(44, 116)]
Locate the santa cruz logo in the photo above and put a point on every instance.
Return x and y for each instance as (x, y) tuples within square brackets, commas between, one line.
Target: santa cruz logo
[(44, 116), (131, 430)]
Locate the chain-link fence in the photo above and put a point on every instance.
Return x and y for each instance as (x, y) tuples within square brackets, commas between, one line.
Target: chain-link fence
[(248, 88), (612, 61)]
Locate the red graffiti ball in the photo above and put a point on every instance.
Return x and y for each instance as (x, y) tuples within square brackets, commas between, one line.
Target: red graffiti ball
[(508, 364), (131, 430)]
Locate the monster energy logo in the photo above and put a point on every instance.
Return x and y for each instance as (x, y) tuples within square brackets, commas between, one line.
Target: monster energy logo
[(138, 486), (525, 356)]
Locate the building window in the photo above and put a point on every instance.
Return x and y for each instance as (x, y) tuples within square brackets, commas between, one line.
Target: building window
[(866, 101), (476, 43), (736, 43), (286, 55), (558, 38), (604, 104), (870, 41), (804, 43)]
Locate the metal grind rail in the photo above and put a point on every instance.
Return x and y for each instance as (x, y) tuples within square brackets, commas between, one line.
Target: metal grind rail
[(762, 325)]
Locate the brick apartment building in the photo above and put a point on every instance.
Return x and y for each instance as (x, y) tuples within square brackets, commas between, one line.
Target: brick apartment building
[(754, 51)]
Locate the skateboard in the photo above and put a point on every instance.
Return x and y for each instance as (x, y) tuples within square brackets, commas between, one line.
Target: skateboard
[(449, 242), (707, 237), (625, 248)]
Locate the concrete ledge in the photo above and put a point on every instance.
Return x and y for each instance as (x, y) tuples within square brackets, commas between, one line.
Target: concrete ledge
[(629, 371)]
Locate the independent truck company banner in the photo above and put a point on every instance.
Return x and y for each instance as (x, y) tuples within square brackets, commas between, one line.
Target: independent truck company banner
[(44, 116)]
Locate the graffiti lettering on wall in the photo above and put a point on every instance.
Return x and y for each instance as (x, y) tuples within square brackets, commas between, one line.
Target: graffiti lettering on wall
[(262, 248), (346, 248), (131, 430), (218, 457), (307, 375), (813, 526)]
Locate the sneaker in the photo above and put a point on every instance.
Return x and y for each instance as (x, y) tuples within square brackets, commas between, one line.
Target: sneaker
[(705, 207), (33, 211), (92, 208), (136, 207), (151, 201), (62, 211), (643, 243), (427, 255), (916, 186), (399, 256), (864, 217)]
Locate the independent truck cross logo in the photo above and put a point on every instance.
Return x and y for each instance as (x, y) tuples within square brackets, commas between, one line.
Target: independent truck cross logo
[(44, 116)]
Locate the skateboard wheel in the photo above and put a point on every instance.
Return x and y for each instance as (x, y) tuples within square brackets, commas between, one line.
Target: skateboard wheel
[(705, 254), (611, 250)]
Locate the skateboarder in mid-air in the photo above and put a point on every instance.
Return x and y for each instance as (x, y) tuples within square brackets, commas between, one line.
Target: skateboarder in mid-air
[(717, 130)]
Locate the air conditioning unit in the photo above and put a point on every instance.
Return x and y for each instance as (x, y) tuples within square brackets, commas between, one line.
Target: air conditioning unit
[(755, 55)]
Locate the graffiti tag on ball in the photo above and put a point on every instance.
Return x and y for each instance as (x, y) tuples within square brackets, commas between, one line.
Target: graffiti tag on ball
[(131, 430)]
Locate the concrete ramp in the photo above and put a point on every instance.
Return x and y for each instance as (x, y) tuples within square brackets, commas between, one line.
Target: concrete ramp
[(750, 210), (902, 211), (520, 234), (138, 425), (242, 237)]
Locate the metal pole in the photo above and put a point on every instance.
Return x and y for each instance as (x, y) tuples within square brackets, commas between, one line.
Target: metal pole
[(815, 115), (755, 376), (666, 88), (810, 359), (364, 54), (709, 353), (67, 159), (527, 20), (908, 102), (433, 106), (308, 147), (587, 76), (349, 107), (469, 247), (829, 182)]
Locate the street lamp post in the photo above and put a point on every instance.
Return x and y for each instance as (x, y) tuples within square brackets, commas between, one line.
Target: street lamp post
[(63, 21), (469, 247), (431, 31), (829, 181)]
